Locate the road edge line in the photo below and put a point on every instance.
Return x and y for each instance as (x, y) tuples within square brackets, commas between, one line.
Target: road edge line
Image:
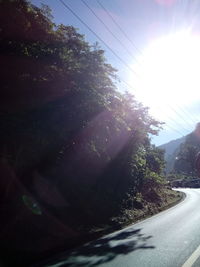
[(191, 260)]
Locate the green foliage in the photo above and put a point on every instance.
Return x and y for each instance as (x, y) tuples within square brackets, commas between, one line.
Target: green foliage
[(185, 160), (32, 205), (67, 121), (155, 160)]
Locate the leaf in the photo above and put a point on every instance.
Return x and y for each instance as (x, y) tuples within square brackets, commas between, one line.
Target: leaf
[(31, 204)]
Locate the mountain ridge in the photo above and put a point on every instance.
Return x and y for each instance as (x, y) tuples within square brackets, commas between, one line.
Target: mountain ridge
[(180, 154), (172, 149)]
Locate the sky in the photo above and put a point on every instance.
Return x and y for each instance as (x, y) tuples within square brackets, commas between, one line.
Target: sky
[(154, 45)]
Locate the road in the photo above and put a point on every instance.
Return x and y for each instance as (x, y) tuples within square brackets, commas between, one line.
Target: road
[(168, 239)]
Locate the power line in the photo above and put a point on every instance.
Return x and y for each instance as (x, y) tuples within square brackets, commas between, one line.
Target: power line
[(180, 125), (175, 130), (127, 37), (127, 84), (131, 87), (117, 40), (98, 37), (192, 117), (180, 116), (171, 119), (119, 27), (108, 29), (193, 120)]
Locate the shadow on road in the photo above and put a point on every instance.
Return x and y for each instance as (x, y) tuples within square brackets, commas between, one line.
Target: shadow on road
[(106, 249)]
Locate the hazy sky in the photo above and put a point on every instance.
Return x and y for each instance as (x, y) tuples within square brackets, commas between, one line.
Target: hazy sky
[(151, 53)]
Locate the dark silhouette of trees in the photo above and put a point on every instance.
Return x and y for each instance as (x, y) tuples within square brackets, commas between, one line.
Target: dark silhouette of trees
[(73, 148), (186, 159)]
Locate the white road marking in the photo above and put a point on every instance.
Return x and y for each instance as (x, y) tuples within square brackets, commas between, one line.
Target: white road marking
[(191, 260)]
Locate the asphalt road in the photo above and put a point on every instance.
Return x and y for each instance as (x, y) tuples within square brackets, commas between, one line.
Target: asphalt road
[(170, 238)]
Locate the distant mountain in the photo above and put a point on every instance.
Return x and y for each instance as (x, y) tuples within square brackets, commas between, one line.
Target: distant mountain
[(186, 159), (180, 154), (172, 149)]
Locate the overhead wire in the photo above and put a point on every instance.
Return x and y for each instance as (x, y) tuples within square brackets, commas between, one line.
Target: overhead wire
[(192, 118), (113, 52), (124, 33), (171, 119), (175, 130), (119, 27), (108, 29), (98, 37), (180, 116)]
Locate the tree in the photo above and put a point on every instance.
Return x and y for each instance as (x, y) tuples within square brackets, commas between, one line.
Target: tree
[(186, 158), (67, 131)]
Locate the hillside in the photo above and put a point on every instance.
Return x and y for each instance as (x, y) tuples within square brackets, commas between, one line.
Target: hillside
[(186, 157), (180, 154), (75, 154), (172, 149)]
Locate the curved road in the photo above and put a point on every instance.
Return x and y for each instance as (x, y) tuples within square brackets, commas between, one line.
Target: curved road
[(168, 239)]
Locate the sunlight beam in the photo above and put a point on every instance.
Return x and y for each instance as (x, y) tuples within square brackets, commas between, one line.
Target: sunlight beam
[(169, 73)]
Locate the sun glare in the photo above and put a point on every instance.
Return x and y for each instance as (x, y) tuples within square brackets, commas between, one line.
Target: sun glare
[(168, 73)]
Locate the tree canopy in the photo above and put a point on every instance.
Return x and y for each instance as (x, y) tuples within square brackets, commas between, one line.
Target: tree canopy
[(185, 161), (71, 145)]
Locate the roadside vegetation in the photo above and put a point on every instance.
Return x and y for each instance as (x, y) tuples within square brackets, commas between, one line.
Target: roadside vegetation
[(185, 163), (75, 153)]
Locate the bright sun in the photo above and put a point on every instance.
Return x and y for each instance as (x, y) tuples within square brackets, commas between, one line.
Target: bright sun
[(169, 72)]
